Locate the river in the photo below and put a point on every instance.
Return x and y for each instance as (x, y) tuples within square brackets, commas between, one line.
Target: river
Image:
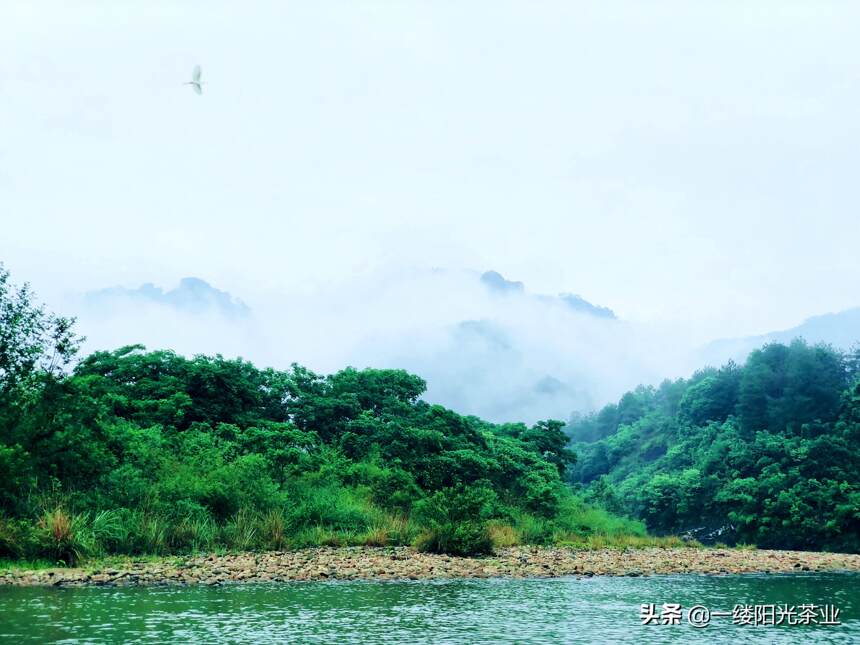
[(560, 610)]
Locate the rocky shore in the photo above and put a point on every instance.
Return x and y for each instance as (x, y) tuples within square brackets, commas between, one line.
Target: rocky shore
[(402, 563)]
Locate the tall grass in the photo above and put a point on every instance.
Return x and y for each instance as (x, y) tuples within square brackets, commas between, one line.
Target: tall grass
[(242, 531), (194, 532), (503, 535), (315, 516), (335, 507), (65, 537), (273, 529), (578, 525), (151, 533)]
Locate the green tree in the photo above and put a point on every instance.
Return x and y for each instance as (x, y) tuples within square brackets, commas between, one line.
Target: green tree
[(32, 341)]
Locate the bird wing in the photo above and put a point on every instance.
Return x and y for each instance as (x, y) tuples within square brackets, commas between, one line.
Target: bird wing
[(195, 75), (197, 88)]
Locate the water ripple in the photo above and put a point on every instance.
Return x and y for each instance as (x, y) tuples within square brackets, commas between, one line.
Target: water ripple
[(563, 610)]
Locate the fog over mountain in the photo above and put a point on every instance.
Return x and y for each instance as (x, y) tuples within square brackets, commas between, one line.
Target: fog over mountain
[(486, 345), (841, 329), (193, 295)]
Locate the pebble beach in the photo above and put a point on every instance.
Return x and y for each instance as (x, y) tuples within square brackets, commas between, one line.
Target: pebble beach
[(404, 563)]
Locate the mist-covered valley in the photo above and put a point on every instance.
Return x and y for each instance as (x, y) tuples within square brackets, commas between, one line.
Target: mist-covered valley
[(486, 345)]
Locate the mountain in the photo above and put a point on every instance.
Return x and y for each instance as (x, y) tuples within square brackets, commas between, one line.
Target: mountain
[(485, 344), (842, 330), (578, 303), (495, 282), (193, 295)]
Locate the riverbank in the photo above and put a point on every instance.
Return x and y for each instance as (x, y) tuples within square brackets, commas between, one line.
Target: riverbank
[(399, 563)]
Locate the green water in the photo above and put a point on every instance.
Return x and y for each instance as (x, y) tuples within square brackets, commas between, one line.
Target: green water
[(563, 610)]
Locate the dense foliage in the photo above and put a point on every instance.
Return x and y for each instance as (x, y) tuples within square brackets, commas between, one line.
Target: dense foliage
[(135, 451), (765, 453)]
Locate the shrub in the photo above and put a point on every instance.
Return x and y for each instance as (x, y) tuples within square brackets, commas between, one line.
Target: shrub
[(16, 538), (394, 489), (461, 538), (321, 536), (456, 521), (583, 519), (376, 536), (391, 530)]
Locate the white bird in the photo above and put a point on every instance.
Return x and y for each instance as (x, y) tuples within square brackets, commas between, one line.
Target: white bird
[(195, 81)]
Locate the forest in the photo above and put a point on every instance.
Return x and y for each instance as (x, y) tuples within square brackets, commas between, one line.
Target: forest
[(764, 453), (132, 451), (148, 452)]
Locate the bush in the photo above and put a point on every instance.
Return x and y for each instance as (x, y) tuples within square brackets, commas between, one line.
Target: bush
[(457, 521), (109, 532), (391, 530), (150, 534), (333, 507), (321, 536), (461, 538), (394, 489), (577, 517), (16, 538)]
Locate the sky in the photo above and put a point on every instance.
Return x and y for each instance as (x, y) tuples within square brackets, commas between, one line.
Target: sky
[(690, 165)]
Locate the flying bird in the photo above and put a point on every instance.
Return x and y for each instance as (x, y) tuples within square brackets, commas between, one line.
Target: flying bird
[(195, 81)]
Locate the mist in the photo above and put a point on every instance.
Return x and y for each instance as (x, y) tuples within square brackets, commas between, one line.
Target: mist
[(502, 354)]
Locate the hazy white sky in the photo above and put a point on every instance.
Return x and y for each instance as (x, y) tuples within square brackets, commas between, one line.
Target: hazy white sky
[(691, 163)]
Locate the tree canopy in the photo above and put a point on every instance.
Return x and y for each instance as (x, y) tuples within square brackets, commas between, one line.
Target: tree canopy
[(764, 453)]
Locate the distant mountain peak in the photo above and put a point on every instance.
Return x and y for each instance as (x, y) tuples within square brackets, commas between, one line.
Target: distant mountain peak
[(578, 303), (840, 329), (193, 295), (497, 283)]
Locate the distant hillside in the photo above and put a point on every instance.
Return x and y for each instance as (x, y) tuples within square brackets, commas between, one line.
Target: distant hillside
[(842, 330), (761, 453), (497, 283), (193, 295)]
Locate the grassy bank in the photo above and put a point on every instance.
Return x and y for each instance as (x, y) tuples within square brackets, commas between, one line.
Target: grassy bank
[(59, 536)]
